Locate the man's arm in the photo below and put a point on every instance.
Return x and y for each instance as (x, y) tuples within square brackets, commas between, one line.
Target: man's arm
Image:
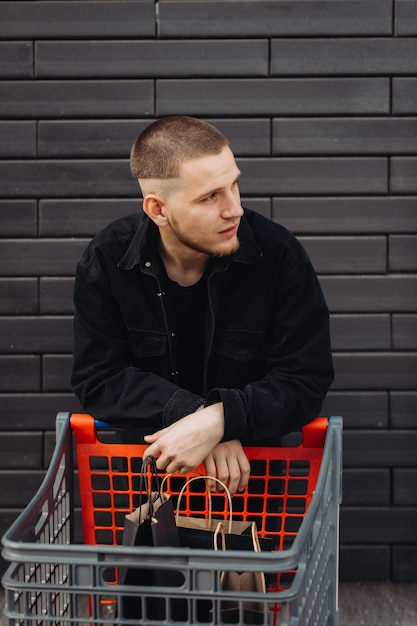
[(107, 383), (182, 446), (298, 365), (112, 389)]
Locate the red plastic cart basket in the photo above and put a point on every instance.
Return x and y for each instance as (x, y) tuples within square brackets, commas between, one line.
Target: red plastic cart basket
[(278, 494)]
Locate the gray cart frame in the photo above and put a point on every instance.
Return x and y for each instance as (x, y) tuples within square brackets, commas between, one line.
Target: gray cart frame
[(52, 580)]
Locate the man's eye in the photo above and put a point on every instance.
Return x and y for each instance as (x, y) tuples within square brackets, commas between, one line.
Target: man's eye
[(210, 197)]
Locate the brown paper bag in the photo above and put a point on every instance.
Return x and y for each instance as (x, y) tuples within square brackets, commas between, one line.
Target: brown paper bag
[(197, 532), (253, 612)]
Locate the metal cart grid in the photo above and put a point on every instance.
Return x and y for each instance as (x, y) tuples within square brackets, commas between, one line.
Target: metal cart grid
[(51, 580)]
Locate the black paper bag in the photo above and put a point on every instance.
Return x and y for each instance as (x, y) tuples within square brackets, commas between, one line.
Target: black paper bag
[(198, 532), (151, 524)]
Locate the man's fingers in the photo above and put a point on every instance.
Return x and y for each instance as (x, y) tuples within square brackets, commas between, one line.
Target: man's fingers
[(183, 445), (153, 436), (228, 462), (222, 473), (244, 472), (210, 467), (152, 450), (156, 448)]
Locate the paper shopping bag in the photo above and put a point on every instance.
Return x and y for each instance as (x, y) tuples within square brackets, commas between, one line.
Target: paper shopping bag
[(198, 532), (151, 524), (243, 612), (202, 533)]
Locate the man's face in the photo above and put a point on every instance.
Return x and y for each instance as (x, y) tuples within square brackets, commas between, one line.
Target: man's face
[(203, 209)]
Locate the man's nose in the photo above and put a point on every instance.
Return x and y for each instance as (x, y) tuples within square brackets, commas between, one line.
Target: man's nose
[(232, 206)]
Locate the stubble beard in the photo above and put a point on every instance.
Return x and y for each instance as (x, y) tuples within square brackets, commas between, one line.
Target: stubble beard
[(197, 247), (210, 251)]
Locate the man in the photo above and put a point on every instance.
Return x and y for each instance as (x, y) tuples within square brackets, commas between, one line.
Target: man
[(200, 321)]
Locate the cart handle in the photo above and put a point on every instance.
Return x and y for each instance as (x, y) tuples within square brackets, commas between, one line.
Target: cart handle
[(85, 427)]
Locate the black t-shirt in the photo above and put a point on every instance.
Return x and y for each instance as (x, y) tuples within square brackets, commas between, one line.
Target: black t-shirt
[(185, 310)]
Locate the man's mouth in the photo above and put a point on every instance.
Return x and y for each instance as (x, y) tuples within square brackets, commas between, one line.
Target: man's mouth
[(231, 230)]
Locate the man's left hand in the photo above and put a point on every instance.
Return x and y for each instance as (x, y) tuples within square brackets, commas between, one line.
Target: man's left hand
[(229, 463), (185, 444)]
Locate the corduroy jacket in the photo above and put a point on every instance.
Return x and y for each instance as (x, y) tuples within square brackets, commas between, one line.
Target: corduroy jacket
[(267, 352)]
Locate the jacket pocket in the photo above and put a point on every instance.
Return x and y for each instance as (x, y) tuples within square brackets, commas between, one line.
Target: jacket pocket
[(144, 343), (240, 345)]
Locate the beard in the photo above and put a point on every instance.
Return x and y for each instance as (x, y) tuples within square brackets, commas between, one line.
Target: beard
[(197, 246)]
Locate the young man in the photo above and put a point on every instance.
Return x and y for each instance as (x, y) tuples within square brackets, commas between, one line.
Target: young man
[(196, 320)]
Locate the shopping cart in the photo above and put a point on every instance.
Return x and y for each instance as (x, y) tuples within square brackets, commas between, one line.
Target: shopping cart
[(293, 495)]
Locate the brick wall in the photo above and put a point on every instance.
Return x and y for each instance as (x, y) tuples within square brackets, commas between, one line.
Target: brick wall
[(319, 99)]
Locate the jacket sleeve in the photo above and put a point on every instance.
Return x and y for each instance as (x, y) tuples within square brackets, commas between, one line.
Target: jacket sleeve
[(103, 377), (299, 367)]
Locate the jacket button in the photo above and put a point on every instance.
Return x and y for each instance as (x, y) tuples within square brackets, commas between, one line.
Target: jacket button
[(148, 264)]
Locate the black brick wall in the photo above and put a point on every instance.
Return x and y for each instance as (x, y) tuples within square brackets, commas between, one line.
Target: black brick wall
[(319, 99)]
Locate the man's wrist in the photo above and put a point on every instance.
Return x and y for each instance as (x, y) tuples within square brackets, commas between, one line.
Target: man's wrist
[(234, 415), (217, 410)]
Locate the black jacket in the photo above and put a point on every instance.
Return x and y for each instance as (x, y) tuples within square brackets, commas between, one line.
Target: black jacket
[(267, 347)]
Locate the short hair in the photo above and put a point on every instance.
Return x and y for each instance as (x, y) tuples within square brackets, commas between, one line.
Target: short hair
[(162, 147)]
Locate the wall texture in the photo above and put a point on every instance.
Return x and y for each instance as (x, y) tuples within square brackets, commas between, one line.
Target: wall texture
[(319, 99)]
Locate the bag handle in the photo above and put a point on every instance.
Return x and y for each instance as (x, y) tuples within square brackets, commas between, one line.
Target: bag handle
[(145, 485), (206, 478), (220, 531)]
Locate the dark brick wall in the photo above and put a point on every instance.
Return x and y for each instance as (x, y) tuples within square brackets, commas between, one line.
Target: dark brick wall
[(319, 99)]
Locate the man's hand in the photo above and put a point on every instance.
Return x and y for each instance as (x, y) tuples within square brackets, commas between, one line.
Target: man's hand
[(182, 446), (229, 463)]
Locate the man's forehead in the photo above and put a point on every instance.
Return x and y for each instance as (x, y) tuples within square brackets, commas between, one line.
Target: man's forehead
[(208, 173), (212, 165)]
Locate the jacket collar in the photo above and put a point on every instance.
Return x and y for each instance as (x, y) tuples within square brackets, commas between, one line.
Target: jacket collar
[(143, 249)]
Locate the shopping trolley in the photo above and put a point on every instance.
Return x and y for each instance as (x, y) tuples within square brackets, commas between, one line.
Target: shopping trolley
[(293, 495)]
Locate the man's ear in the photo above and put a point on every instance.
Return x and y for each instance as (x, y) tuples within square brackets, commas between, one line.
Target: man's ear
[(153, 207)]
